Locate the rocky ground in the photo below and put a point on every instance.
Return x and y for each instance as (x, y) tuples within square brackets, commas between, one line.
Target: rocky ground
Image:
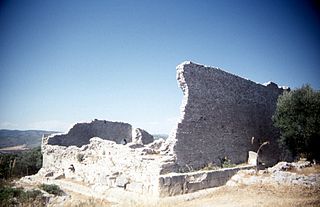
[(285, 184)]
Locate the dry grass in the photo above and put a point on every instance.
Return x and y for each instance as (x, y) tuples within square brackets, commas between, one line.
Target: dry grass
[(244, 196), (91, 202), (79, 200), (259, 195)]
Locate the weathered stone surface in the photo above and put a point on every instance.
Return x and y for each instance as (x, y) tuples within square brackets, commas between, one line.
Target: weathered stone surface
[(81, 133), (180, 183), (104, 164), (141, 136), (156, 144), (283, 173), (220, 113), (121, 181), (252, 159), (286, 166), (135, 187)]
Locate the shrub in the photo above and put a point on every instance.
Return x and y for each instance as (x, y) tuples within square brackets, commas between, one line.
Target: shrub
[(80, 157), (52, 189), (226, 163), (298, 118), (10, 196), (210, 166)]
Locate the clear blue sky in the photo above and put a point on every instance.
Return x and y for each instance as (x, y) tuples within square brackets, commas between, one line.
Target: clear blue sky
[(67, 61)]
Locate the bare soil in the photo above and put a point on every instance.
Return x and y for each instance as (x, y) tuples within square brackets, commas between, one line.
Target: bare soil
[(259, 195), (226, 196)]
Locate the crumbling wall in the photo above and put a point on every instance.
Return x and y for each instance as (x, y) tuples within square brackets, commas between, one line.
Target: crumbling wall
[(221, 112), (103, 164), (141, 136), (81, 133)]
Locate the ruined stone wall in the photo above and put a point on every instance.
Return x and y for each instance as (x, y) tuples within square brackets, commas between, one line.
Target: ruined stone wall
[(81, 133), (221, 112), (103, 164), (141, 136)]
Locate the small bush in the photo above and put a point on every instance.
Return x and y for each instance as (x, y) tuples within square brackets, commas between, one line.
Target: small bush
[(80, 157), (10, 196), (52, 189), (226, 163), (210, 166)]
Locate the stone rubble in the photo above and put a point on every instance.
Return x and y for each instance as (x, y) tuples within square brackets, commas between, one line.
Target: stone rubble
[(141, 136), (283, 173)]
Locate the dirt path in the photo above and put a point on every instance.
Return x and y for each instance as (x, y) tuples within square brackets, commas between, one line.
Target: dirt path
[(244, 196)]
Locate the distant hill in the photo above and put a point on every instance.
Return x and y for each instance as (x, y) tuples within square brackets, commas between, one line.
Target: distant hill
[(32, 138), (29, 138), (158, 136)]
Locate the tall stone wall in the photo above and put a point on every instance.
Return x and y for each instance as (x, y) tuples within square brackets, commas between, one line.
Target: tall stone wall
[(81, 133), (221, 112)]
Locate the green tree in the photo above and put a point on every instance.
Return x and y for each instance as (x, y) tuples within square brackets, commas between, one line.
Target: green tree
[(20, 164), (7, 164), (28, 162), (298, 118)]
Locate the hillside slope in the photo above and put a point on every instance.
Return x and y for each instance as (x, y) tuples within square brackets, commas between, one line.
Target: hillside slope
[(30, 138)]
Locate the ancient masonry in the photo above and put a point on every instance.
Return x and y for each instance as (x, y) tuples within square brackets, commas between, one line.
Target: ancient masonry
[(81, 133), (220, 114)]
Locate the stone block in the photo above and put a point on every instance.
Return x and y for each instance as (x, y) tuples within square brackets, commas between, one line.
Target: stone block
[(121, 181), (252, 159), (135, 187)]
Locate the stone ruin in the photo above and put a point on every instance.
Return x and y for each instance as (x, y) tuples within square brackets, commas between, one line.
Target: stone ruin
[(81, 133), (220, 113)]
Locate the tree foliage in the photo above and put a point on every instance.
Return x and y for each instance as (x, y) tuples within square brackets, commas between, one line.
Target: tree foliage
[(20, 164), (298, 118)]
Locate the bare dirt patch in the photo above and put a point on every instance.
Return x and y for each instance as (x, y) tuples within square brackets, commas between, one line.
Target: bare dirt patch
[(259, 195), (14, 149), (226, 196)]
